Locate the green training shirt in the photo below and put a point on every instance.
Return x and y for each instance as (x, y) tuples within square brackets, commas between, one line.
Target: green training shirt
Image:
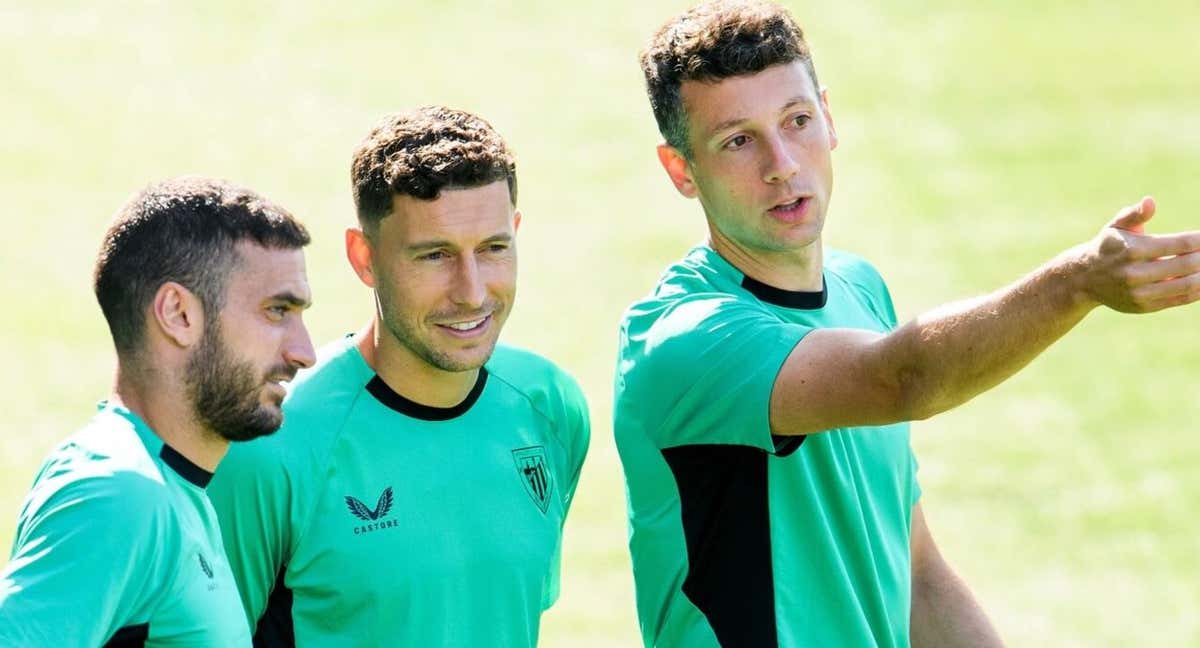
[(740, 538), (371, 520), (118, 545)]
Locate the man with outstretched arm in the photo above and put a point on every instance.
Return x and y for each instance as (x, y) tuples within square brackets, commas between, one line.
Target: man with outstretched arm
[(763, 387)]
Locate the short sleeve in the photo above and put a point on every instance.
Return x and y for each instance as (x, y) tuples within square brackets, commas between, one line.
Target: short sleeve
[(85, 563), (577, 438), (702, 373), (250, 493)]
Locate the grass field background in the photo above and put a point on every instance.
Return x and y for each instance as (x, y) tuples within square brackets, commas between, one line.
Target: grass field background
[(977, 140)]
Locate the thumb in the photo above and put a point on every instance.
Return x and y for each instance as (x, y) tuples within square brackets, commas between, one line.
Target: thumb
[(1134, 217)]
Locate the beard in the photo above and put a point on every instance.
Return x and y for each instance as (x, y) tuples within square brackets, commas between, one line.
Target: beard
[(225, 391), (408, 335), (424, 349)]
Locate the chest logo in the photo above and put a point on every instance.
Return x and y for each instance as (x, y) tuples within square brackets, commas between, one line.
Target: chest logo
[(381, 509), (535, 474), (205, 567)]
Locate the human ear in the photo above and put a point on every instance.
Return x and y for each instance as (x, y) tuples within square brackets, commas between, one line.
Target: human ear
[(359, 253), (678, 169), (178, 314)]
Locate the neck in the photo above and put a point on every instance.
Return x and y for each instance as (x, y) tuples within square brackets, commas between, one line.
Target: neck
[(796, 270), (409, 375), (161, 401)]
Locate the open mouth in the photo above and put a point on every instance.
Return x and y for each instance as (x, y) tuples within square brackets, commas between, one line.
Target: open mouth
[(791, 210), (790, 205)]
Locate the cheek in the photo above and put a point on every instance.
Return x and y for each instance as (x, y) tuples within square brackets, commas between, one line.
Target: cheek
[(412, 286), (733, 181), (502, 275)]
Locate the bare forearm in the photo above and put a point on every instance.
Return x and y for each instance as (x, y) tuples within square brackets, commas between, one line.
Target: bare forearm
[(947, 356), (842, 377), (946, 615)]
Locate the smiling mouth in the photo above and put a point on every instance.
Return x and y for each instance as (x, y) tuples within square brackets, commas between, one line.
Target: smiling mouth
[(467, 326)]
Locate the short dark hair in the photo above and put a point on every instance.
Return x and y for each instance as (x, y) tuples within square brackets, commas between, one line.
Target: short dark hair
[(715, 41), (183, 230), (422, 152)]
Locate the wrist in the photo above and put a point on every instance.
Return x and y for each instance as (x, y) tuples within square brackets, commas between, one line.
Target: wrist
[(1066, 280)]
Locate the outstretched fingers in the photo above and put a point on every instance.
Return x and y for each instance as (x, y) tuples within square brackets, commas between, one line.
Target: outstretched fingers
[(1160, 269), (1167, 293), (1163, 245)]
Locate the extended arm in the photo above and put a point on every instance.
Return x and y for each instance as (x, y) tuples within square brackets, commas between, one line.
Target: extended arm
[(944, 613), (840, 377)]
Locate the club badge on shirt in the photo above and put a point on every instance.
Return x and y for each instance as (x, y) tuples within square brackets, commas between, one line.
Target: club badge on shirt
[(535, 474)]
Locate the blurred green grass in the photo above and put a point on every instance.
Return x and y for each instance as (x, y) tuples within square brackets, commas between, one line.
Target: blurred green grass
[(976, 141)]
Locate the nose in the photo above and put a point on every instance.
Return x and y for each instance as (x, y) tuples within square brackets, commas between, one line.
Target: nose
[(469, 288), (298, 348), (780, 163)]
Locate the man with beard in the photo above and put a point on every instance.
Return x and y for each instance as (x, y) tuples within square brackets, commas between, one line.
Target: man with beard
[(417, 492), (203, 286), (763, 387)]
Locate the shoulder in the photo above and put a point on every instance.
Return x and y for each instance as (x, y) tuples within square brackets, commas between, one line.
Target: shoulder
[(550, 390), (855, 270), (99, 478), (865, 282), (691, 282), (678, 331), (108, 459), (336, 380), (320, 397)]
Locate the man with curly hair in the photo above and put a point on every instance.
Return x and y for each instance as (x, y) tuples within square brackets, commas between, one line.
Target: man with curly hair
[(417, 493), (763, 387)]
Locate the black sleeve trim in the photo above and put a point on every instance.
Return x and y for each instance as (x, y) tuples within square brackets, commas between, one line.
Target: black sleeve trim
[(723, 498), (130, 636), (786, 444), (277, 627)]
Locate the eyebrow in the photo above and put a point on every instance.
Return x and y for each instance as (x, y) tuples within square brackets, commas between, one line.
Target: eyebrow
[(798, 100), (503, 237), (291, 299)]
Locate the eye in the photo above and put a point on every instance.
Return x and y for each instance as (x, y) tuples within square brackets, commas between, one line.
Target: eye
[(436, 255), (497, 247), (277, 312), (801, 120), (735, 142)]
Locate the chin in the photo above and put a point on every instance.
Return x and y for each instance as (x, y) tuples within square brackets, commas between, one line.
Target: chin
[(469, 359)]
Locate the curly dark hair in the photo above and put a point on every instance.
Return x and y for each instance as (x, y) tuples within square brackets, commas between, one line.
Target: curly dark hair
[(715, 41), (183, 230), (422, 152)]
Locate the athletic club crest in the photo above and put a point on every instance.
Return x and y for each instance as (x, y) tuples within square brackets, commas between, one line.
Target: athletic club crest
[(535, 474)]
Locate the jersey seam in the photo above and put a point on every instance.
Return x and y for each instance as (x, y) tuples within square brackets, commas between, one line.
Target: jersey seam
[(869, 296), (322, 470), (657, 432), (163, 596), (554, 427)]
